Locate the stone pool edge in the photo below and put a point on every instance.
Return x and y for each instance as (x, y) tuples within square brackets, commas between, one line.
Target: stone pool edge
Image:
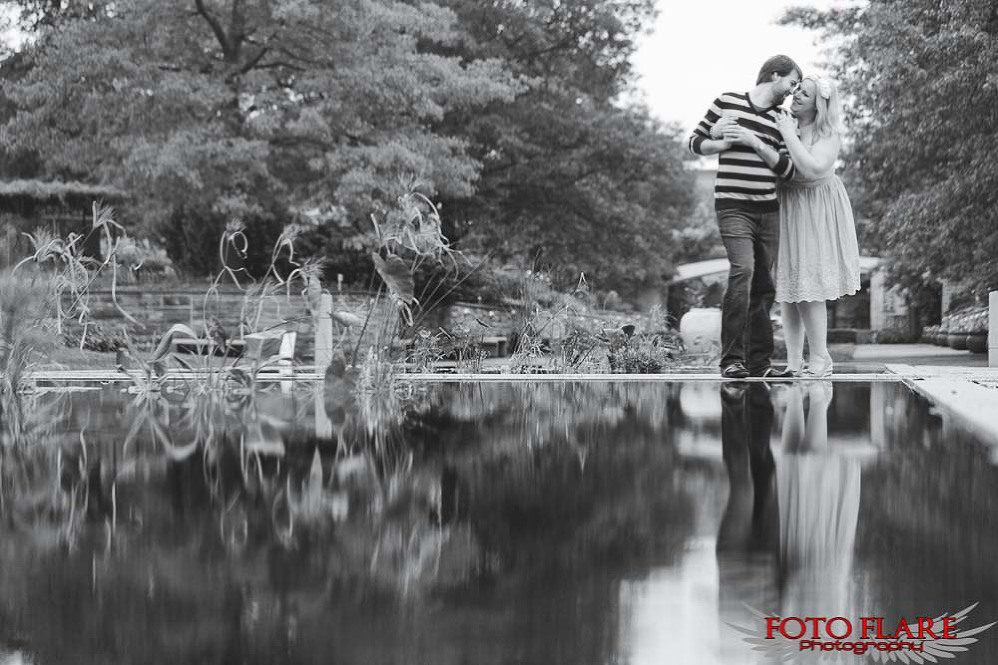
[(963, 392)]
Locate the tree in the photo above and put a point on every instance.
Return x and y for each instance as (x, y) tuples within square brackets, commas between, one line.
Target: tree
[(921, 79), (571, 179), (228, 106)]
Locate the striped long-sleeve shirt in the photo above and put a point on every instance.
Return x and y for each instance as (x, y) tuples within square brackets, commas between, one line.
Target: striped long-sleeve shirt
[(744, 180)]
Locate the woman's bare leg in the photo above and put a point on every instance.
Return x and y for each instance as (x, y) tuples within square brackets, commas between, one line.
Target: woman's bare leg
[(815, 317), (793, 333)]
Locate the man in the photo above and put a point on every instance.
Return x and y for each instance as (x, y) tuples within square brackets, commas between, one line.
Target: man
[(736, 125)]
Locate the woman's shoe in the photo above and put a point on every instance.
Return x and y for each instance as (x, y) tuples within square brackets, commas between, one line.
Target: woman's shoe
[(821, 370), (798, 368), (775, 374)]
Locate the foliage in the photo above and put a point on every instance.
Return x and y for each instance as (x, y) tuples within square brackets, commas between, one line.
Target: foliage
[(190, 232), (224, 106), (508, 113), (699, 239), (144, 258), (95, 339), (70, 273), (643, 353), (572, 180), (921, 78), (565, 333), (895, 336)]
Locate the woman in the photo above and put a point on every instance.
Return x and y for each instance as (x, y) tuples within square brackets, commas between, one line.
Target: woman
[(818, 258)]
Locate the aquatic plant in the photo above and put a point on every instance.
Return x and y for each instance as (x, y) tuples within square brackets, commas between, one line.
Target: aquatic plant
[(72, 273)]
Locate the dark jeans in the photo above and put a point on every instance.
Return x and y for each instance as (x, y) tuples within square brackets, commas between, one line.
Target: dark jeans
[(751, 240)]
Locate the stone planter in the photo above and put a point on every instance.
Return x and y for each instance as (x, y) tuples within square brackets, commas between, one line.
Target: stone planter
[(942, 337), (700, 329), (957, 340), (977, 342)]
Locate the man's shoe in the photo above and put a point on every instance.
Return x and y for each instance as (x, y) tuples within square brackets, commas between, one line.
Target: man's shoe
[(774, 373), (735, 371), (734, 390)]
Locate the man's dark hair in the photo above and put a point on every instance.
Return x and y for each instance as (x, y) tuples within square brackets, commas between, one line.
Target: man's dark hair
[(781, 64)]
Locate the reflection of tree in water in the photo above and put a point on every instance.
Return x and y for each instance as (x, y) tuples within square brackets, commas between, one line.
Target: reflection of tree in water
[(265, 536), (573, 473)]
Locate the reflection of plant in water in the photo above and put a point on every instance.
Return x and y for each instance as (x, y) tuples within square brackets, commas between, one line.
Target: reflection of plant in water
[(371, 466), (39, 484), (24, 334), (415, 495), (44, 485)]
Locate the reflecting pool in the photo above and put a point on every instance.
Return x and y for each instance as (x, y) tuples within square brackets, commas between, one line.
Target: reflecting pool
[(482, 523)]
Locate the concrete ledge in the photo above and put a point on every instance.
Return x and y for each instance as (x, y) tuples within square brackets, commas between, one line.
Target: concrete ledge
[(886, 352), (960, 393), (306, 373), (631, 378), (309, 373), (944, 371)]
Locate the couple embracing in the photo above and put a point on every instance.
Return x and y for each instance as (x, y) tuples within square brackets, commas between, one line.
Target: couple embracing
[(784, 217)]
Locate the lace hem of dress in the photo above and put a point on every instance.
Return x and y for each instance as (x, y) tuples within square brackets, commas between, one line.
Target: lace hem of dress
[(815, 294)]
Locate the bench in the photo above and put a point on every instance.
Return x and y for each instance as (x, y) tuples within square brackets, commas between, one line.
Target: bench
[(233, 349), (272, 345)]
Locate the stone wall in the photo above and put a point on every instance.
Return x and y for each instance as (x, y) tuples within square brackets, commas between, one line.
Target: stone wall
[(159, 307)]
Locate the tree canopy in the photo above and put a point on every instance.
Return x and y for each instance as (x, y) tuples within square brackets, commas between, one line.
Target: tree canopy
[(261, 110), (921, 83), (570, 178)]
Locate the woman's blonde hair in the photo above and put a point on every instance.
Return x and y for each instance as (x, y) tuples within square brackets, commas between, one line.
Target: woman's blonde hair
[(828, 108)]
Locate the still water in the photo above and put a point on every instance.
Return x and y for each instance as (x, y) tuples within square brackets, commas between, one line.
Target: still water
[(484, 523)]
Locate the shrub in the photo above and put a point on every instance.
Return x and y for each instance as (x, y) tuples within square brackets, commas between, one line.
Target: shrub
[(191, 239), (96, 339), (895, 336)]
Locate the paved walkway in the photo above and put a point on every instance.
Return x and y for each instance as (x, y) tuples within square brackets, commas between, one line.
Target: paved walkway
[(917, 354)]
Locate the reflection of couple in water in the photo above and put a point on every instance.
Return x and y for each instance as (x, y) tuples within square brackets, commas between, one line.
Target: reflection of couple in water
[(786, 537)]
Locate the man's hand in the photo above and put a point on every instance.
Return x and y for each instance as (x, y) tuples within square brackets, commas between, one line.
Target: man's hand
[(738, 135), (722, 125), (714, 147)]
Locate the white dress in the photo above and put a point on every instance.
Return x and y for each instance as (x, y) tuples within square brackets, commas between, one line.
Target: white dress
[(819, 256)]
